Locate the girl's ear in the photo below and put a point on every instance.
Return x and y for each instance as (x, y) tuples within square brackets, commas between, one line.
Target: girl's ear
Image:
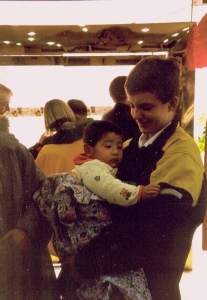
[(77, 118), (173, 103), (87, 149)]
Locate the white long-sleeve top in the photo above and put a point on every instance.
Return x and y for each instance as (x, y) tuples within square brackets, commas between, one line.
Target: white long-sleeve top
[(99, 178)]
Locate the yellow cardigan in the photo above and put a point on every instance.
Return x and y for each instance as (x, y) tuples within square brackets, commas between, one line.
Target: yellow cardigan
[(58, 158), (181, 165)]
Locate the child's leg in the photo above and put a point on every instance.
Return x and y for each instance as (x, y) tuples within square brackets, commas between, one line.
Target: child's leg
[(70, 261), (66, 284)]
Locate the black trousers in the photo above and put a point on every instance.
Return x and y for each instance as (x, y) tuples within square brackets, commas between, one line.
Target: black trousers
[(66, 284)]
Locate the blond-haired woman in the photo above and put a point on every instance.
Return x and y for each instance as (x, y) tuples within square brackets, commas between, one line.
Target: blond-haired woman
[(62, 139)]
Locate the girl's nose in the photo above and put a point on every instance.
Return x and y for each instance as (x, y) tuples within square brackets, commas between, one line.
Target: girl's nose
[(136, 114)]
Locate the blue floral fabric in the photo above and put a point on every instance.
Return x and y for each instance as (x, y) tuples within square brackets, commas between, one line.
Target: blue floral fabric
[(77, 215), (74, 212)]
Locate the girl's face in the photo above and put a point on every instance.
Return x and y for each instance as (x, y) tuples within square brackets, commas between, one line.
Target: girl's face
[(150, 113), (4, 106), (109, 149)]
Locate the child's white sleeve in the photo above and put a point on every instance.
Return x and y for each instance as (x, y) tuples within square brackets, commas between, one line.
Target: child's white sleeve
[(97, 177)]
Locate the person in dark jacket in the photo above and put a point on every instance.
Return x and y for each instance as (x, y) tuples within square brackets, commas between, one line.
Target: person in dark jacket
[(81, 112), (26, 270), (155, 234), (120, 113)]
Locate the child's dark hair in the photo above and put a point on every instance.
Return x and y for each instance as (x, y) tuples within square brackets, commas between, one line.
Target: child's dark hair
[(95, 130)]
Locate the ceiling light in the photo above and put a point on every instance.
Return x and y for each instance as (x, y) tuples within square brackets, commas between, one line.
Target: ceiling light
[(186, 28), (18, 44), (166, 40), (58, 45), (175, 34), (31, 33), (50, 43), (7, 42), (31, 39), (85, 29), (145, 29), (140, 42)]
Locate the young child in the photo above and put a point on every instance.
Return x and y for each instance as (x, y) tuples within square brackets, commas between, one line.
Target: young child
[(96, 168), (76, 205)]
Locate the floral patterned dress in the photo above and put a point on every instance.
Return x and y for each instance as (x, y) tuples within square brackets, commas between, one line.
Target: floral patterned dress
[(77, 215)]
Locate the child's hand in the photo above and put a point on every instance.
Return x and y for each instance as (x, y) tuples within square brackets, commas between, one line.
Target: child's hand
[(150, 191)]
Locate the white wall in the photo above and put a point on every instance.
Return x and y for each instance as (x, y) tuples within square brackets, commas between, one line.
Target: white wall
[(32, 86), (98, 12)]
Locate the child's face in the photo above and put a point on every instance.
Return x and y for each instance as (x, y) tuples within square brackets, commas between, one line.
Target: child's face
[(109, 149)]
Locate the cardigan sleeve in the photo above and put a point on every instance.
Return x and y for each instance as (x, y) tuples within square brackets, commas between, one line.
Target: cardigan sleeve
[(99, 177)]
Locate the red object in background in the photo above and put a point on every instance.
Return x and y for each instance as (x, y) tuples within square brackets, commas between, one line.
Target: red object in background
[(196, 53)]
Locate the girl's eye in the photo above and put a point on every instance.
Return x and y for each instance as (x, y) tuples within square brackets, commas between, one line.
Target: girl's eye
[(146, 107)]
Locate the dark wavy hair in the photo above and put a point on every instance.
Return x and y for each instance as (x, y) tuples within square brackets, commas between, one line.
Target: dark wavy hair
[(78, 107), (156, 75), (95, 130), (116, 89)]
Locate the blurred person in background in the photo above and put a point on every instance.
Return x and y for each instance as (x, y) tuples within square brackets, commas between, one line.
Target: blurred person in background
[(120, 114), (62, 138), (26, 271), (81, 112)]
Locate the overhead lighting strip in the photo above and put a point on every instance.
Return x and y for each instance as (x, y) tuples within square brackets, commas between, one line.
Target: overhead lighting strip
[(89, 54), (116, 54)]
